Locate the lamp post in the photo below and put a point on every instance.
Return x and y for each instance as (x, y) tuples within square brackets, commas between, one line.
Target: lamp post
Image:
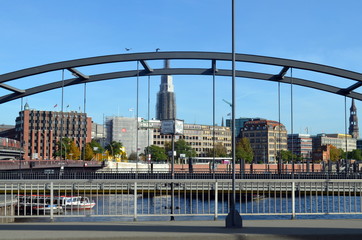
[(233, 219)]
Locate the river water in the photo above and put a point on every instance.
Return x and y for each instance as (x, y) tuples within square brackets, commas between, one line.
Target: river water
[(200, 207)]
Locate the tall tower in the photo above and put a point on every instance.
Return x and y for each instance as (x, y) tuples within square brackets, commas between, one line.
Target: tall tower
[(166, 104), (353, 121)]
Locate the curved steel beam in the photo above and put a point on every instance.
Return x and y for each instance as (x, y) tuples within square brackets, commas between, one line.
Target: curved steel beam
[(181, 71), (219, 56)]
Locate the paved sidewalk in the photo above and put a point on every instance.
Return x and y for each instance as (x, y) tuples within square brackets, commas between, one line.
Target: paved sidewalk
[(253, 229)]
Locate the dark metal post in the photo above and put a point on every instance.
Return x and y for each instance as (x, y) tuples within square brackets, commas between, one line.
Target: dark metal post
[(85, 121), (173, 177), (213, 116), (21, 135), (233, 219), (62, 120)]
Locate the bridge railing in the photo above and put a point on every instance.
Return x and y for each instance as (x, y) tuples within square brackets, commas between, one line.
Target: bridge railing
[(183, 199), (89, 173)]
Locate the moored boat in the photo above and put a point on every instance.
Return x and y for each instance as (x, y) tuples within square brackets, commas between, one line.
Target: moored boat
[(75, 202)]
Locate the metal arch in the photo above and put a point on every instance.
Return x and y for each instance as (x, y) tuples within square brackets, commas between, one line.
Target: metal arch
[(213, 56), (181, 71), (218, 56)]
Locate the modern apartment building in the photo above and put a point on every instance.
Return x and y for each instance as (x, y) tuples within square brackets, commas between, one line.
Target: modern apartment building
[(266, 138), (39, 131)]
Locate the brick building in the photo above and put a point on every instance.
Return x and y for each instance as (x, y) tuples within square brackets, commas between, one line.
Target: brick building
[(39, 131)]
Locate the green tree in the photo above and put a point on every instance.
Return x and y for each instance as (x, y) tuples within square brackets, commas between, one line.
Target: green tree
[(288, 156), (62, 148), (96, 146), (115, 148), (334, 153), (220, 151), (181, 147), (355, 154), (157, 153), (244, 151)]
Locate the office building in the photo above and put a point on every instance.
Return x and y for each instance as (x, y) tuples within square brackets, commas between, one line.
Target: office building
[(342, 141), (266, 138), (300, 145), (199, 137)]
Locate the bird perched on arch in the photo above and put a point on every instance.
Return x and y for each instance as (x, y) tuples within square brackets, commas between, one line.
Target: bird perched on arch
[(158, 49)]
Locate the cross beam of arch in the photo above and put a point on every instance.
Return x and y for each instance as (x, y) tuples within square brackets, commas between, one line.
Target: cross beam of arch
[(213, 57)]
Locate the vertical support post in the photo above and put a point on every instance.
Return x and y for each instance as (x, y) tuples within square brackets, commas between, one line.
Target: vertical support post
[(5, 204), (51, 202), (137, 157), (213, 116), (135, 202), (85, 122), (216, 201), (21, 135), (62, 120), (293, 200)]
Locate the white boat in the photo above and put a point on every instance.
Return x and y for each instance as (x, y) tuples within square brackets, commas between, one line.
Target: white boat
[(74, 202)]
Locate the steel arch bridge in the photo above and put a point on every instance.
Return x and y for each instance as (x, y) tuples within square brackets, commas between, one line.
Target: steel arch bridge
[(145, 58)]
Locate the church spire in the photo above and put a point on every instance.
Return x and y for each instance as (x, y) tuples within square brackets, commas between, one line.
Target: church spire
[(353, 121), (166, 103)]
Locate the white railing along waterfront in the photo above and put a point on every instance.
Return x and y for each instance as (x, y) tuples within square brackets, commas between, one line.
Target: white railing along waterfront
[(135, 199)]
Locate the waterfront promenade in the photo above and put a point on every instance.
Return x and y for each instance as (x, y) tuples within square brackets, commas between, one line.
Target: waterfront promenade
[(253, 229)]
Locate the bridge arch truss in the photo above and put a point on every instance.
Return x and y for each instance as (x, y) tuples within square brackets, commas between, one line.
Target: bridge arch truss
[(146, 70)]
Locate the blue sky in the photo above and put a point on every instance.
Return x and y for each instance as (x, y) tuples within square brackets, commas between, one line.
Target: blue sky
[(44, 31)]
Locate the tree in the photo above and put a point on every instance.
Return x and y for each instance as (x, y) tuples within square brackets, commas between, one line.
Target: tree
[(334, 153), (115, 148), (63, 147), (288, 156), (96, 146), (244, 151), (220, 151), (181, 147), (157, 153), (132, 156), (89, 154), (355, 154), (74, 152)]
